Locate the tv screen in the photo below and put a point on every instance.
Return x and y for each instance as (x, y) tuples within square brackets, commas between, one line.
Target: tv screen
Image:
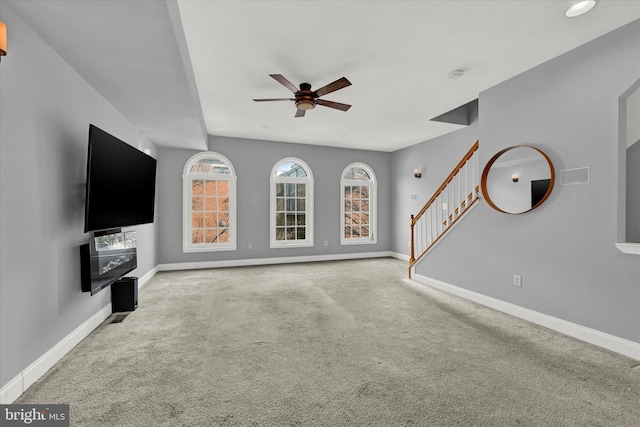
[(121, 183)]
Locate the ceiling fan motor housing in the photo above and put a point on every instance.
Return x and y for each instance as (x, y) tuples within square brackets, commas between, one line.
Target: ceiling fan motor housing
[(305, 98)]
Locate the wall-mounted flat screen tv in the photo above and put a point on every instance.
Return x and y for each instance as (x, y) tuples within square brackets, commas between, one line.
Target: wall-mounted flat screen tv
[(121, 183)]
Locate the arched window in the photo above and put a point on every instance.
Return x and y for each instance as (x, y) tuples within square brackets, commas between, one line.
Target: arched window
[(358, 205), (291, 218), (209, 203)]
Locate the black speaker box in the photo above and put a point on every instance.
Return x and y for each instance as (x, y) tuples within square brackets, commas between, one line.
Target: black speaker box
[(124, 294)]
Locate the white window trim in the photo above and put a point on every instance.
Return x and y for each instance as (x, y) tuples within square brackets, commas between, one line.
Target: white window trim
[(373, 205), (187, 246), (308, 242)]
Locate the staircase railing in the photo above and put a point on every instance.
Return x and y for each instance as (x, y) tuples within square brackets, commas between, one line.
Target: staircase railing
[(457, 194)]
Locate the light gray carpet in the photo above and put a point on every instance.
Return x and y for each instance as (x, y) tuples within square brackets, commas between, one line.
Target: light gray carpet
[(344, 343)]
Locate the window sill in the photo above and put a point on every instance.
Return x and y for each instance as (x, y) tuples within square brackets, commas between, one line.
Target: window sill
[(629, 248), (209, 249), (358, 242), (291, 245)]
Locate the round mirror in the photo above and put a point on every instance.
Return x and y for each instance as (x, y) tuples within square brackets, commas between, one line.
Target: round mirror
[(517, 179)]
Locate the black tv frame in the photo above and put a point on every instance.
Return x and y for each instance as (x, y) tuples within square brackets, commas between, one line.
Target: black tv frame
[(121, 183)]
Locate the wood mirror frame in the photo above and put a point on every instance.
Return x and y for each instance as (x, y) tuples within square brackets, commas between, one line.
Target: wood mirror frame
[(535, 198)]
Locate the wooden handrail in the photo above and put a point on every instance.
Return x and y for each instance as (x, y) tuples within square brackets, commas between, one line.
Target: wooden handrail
[(453, 173), (451, 218)]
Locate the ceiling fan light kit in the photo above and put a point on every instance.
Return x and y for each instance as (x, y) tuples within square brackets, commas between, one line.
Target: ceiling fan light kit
[(307, 99)]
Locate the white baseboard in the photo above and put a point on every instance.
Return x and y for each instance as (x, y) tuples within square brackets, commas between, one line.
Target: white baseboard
[(269, 261), (15, 387), (400, 256), (145, 278), (592, 336)]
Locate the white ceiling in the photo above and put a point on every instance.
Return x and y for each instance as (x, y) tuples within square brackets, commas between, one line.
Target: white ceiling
[(181, 69)]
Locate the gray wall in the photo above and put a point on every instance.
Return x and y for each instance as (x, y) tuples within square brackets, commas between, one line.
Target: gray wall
[(564, 250), (253, 161), (437, 157), (45, 111), (633, 193)]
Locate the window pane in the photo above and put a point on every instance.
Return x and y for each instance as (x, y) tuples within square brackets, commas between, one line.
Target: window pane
[(302, 219), (290, 169), (280, 235), (355, 205), (210, 188), (301, 233), (223, 188), (291, 205), (223, 204), (364, 219), (197, 220), (210, 165), (210, 235), (291, 233), (355, 231), (279, 219), (210, 220), (347, 232), (197, 204), (301, 205), (279, 204), (197, 235), (355, 192), (210, 203), (291, 219), (223, 219), (365, 232), (364, 192), (347, 218), (357, 173), (347, 205), (223, 235), (197, 187), (302, 190), (279, 189), (291, 190)]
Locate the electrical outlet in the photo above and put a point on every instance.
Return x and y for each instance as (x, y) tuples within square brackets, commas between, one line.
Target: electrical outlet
[(517, 280), (326, 243), (250, 245)]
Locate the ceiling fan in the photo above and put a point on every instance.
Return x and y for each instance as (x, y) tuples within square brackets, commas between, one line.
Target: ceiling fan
[(307, 99)]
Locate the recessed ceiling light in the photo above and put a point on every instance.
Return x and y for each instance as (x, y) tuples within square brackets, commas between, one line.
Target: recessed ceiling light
[(580, 8)]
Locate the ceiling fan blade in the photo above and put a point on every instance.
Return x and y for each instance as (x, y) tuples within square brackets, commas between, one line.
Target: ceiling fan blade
[(332, 87), (284, 82), (300, 113), (274, 99), (331, 104)]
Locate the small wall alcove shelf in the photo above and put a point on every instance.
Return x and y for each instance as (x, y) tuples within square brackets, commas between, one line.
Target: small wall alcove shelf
[(517, 179)]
